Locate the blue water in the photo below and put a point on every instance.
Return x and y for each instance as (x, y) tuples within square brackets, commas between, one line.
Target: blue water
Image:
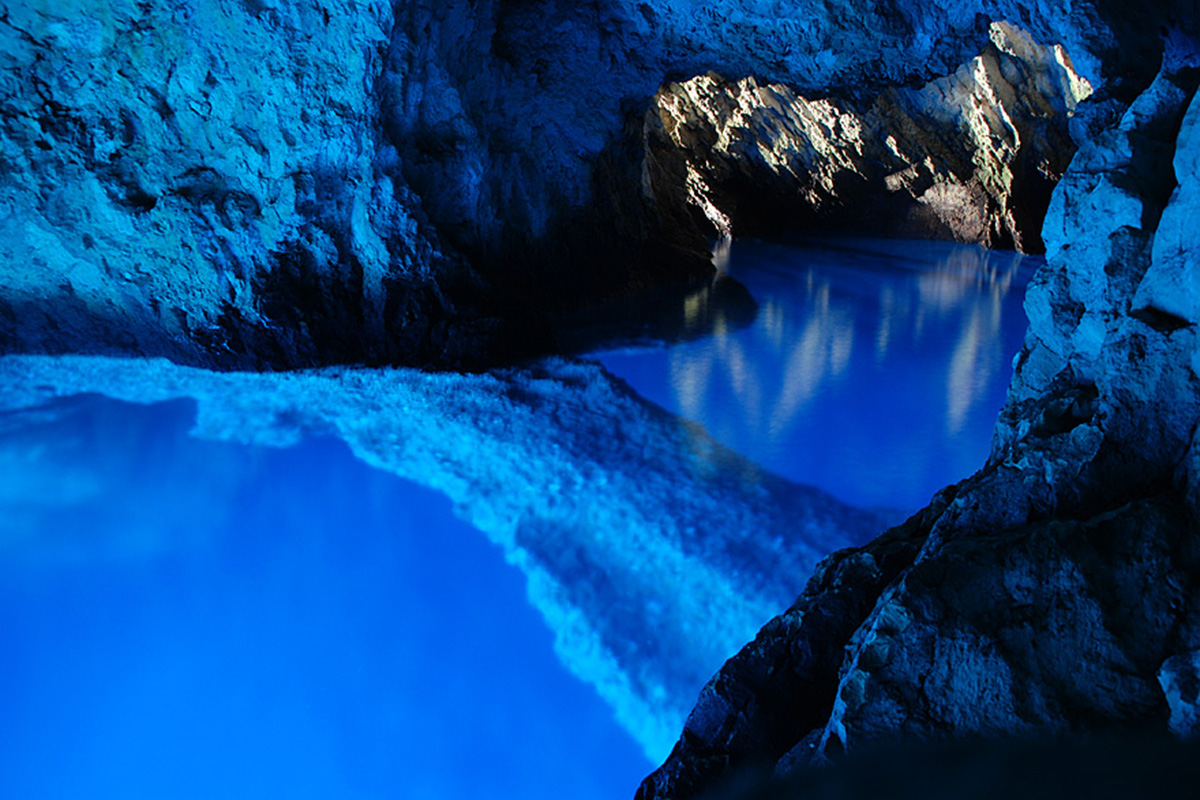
[(874, 370), (186, 619), (192, 619)]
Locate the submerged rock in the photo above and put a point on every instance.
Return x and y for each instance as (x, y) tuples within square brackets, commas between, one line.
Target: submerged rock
[(972, 156), (1057, 590), (652, 551)]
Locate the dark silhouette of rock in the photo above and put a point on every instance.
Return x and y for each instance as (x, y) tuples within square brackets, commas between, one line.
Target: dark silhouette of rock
[(1107, 768)]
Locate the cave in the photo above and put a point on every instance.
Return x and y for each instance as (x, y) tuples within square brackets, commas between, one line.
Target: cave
[(660, 399)]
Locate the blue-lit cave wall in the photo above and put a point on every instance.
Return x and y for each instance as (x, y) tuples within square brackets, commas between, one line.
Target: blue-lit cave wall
[(270, 184)]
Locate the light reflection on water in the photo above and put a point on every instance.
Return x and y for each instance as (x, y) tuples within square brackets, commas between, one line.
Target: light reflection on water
[(874, 370), (203, 617)]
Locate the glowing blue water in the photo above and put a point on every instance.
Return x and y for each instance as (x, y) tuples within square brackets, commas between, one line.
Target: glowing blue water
[(183, 618), (875, 369)]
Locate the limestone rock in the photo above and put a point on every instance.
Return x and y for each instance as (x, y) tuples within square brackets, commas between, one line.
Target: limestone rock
[(258, 184), (204, 181), (972, 156), (1049, 627)]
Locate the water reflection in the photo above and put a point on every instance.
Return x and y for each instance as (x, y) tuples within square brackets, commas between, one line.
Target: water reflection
[(659, 317), (652, 552), (874, 368)]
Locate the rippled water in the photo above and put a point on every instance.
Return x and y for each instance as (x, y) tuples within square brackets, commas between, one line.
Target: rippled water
[(874, 370), (218, 597)]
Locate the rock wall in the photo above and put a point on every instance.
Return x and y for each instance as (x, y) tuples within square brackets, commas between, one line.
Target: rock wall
[(1057, 590), (972, 156), (262, 184)]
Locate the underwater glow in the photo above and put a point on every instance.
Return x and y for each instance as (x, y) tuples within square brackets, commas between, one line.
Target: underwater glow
[(528, 456), (186, 619), (211, 584)]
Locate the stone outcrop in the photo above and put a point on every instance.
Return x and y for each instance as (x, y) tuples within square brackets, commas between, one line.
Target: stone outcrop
[(251, 183), (652, 551), (204, 181), (1056, 591), (971, 157)]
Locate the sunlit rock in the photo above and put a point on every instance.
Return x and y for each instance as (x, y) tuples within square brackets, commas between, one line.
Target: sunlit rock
[(652, 551), (972, 156)]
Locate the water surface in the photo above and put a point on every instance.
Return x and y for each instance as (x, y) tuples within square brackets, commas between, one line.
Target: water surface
[(875, 368), (249, 586), (192, 619)]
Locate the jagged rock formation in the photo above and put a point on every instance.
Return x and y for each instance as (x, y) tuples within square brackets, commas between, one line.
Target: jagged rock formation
[(1057, 590), (652, 551), (971, 157), (250, 183), (210, 182)]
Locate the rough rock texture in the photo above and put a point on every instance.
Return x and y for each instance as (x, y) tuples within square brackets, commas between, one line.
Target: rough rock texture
[(652, 551), (256, 183), (1057, 590), (205, 181), (972, 156)]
